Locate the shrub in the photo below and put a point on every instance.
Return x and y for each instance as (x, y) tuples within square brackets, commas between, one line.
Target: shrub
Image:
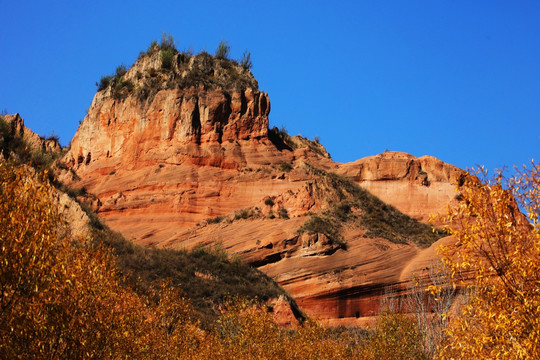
[(121, 88), (322, 224), (215, 220), (104, 82), (167, 57), (395, 337), (120, 71), (269, 202), (281, 138), (167, 42), (245, 62), (242, 214), (188, 53), (285, 166), (54, 137), (152, 46), (222, 51), (496, 256), (283, 213), (41, 159)]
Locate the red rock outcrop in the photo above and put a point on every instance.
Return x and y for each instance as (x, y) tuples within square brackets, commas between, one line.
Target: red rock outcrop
[(419, 187), (36, 142), (163, 164), (178, 126)]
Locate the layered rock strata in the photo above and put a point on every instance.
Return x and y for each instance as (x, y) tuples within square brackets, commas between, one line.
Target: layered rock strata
[(185, 165), (419, 187)]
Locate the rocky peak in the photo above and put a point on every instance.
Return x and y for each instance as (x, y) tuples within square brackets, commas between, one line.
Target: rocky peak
[(169, 69), (394, 165), (183, 107)]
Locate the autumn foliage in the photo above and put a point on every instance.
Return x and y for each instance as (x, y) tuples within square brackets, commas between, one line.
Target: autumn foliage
[(59, 298), (496, 261)]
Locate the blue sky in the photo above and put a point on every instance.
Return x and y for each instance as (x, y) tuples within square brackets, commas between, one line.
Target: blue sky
[(459, 80)]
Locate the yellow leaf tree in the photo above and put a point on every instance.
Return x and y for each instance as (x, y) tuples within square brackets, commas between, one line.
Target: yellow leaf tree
[(59, 298), (496, 260)]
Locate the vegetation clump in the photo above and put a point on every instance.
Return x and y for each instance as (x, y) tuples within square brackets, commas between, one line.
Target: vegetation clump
[(182, 70), (282, 140), (245, 62), (215, 220), (222, 51), (283, 213), (247, 213), (326, 225), (120, 87), (167, 58), (285, 166), (269, 202), (376, 217), (224, 276)]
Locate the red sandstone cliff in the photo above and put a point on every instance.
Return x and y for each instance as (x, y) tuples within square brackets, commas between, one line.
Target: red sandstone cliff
[(419, 187), (167, 158)]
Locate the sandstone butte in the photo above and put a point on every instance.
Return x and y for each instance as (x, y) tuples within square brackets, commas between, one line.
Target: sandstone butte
[(185, 156)]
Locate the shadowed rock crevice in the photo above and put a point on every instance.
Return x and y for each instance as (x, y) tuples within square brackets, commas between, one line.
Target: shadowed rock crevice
[(196, 122)]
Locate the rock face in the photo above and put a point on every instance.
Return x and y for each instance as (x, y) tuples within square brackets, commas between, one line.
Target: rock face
[(419, 187), (175, 163), (178, 126), (36, 142), (334, 285)]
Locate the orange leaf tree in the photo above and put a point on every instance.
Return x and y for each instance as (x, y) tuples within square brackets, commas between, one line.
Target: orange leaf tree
[(58, 298), (496, 259)]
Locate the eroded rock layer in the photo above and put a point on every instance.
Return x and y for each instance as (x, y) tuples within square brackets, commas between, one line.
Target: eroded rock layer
[(419, 187)]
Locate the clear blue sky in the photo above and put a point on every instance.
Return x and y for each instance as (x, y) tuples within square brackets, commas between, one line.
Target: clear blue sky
[(459, 80)]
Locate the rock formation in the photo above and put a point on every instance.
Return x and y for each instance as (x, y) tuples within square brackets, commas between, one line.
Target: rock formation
[(419, 187), (34, 141), (182, 154)]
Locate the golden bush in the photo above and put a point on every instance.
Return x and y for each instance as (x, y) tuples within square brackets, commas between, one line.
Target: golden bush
[(496, 260), (59, 298)]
